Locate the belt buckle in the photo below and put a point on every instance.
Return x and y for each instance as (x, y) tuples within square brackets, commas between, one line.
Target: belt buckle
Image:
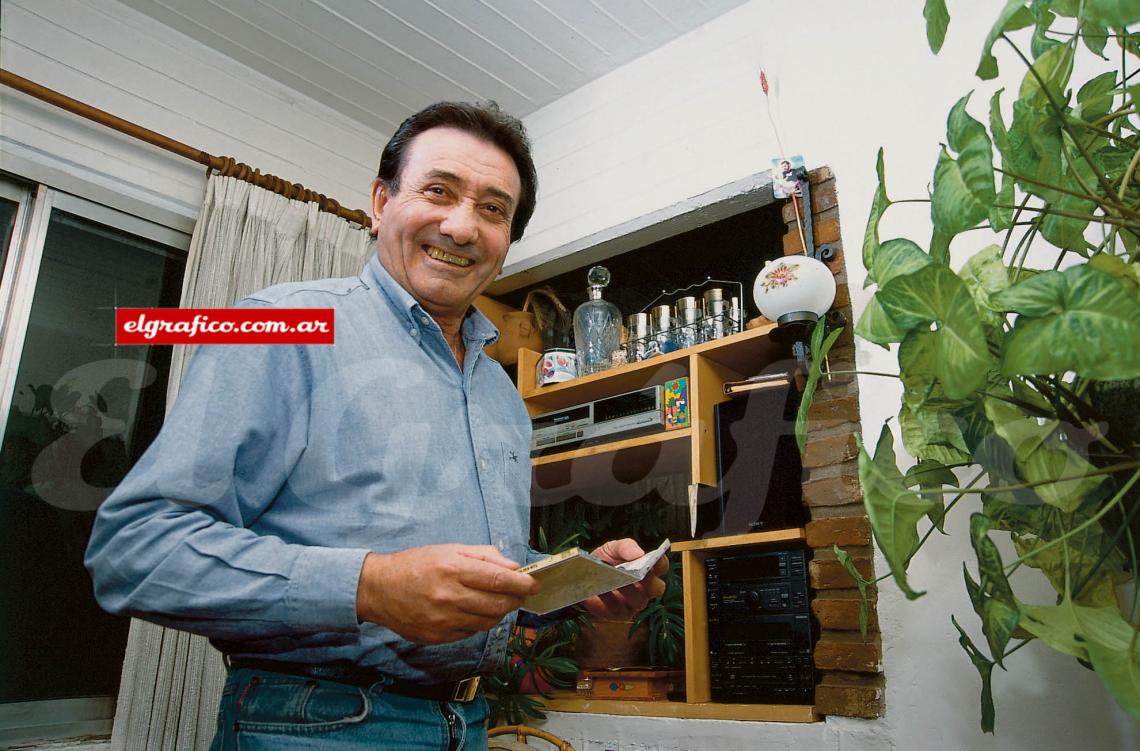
[(467, 689)]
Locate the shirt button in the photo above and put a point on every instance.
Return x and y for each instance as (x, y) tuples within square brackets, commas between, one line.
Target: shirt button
[(413, 332)]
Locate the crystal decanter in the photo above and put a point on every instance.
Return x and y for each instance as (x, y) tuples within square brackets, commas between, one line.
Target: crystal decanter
[(597, 326)]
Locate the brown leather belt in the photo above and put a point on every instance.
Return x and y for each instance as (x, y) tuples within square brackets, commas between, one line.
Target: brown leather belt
[(354, 675)]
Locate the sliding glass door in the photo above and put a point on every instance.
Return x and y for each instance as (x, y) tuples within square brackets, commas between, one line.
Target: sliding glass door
[(77, 413)]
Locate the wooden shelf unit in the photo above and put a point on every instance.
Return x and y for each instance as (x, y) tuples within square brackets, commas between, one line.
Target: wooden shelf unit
[(707, 366), (692, 451), (698, 678)]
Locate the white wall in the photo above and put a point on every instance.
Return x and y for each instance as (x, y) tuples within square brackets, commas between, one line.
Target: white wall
[(112, 57), (690, 117)]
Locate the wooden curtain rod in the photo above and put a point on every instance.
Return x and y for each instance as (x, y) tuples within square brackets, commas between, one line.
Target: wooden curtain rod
[(223, 165)]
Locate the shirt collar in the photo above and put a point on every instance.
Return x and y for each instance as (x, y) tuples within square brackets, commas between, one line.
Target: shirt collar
[(476, 327)]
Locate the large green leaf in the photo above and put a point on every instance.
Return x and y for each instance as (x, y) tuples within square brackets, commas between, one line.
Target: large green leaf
[(930, 474), (998, 606), (1094, 99), (933, 435), (1115, 13), (1098, 635), (1034, 149), (898, 257), (1043, 456), (1113, 161), (997, 123), (954, 207), (985, 668), (930, 477), (918, 370), (918, 364), (895, 257), (985, 275), (1049, 76), (964, 187), (876, 326), (1115, 265), (1012, 17), (878, 205), (1001, 216), (1097, 16), (1088, 548), (1114, 652), (1041, 42), (1057, 626), (1057, 226), (934, 294), (1066, 231), (1080, 319), (1012, 516), (937, 19), (892, 508), (969, 139), (819, 349)]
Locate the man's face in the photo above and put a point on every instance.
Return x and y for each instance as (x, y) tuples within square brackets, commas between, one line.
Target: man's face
[(444, 235)]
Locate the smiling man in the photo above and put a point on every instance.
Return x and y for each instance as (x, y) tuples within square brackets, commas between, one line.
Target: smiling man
[(345, 522)]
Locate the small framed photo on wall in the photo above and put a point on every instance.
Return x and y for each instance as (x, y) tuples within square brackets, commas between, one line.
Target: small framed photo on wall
[(784, 182)]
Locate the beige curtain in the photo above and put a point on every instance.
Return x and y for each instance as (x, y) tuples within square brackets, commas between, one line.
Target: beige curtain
[(246, 238)]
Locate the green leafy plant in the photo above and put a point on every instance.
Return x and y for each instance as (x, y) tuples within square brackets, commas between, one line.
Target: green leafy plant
[(664, 621), (1021, 369), (535, 659)]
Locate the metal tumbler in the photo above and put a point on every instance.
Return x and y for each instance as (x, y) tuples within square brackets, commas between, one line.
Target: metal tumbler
[(688, 322), (716, 314), (640, 335), (661, 326)]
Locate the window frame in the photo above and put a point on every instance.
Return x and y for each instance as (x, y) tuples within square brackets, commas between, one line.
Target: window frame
[(53, 719)]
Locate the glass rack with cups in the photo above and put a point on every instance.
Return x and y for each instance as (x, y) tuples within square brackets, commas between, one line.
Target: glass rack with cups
[(689, 321)]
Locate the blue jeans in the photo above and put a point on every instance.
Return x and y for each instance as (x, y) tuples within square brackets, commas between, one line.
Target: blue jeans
[(268, 710)]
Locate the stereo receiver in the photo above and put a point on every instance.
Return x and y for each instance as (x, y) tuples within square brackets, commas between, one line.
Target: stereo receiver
[(759, 626)]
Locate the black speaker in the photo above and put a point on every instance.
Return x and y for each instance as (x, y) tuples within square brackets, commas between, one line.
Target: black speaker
[(758, 466)]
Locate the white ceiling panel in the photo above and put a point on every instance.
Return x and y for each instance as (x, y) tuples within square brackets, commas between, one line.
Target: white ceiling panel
[(377, 61)]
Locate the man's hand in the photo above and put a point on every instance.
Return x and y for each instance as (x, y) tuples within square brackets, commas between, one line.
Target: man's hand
[(440, 593), (624, 603)]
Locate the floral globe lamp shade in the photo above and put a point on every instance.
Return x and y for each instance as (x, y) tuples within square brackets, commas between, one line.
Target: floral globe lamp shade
[(794, 289)]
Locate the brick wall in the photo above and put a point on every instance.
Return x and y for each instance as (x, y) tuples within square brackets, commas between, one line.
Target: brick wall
[(850, 668)]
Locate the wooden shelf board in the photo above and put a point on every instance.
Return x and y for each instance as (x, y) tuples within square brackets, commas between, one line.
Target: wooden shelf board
[(612, 446), (610, 383), (745, 353), (751, 538), (683, 710)]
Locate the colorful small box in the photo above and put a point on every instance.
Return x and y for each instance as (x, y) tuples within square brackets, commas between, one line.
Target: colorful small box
[(677, 403)]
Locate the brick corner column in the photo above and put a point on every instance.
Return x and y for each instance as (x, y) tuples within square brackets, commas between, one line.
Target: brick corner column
[(850, 669)]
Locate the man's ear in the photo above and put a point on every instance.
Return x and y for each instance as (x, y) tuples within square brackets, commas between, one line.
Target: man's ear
[(379, 199)]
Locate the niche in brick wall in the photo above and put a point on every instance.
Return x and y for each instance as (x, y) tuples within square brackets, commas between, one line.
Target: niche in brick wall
[(735, 248)]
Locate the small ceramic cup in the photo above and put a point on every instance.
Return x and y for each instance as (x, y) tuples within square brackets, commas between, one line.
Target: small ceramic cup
[(556, 366)]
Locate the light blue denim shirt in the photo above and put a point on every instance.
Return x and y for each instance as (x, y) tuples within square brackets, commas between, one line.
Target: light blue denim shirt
[(280, 467)]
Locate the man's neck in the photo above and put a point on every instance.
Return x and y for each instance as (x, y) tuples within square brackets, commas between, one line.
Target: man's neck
[(453, 335)]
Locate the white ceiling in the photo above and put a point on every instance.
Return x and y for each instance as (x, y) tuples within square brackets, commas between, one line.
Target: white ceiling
[(377, 61)]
